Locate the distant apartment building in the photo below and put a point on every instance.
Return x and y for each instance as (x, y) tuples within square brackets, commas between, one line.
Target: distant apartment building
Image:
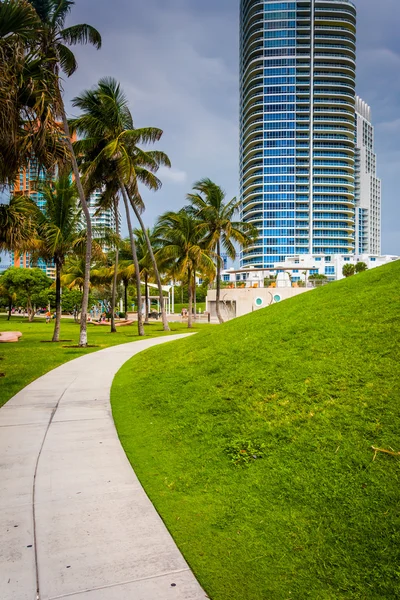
[(367, 185), (102, 220), (27, 183), (297, 138)]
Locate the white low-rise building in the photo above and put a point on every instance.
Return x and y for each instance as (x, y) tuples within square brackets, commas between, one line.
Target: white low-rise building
[(247, 290), (302, 266)]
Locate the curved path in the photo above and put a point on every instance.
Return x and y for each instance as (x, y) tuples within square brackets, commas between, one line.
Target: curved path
[(74, 520)]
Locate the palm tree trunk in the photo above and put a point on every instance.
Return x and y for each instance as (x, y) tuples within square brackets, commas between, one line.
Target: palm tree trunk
[(126, 298), (194, 294), (146, 290), (88, 257), (115, 278), (9, 309), (135, 260), (154, 263), (218, 295), (190, 292), (114, 291), (31, 314), (56, 334)]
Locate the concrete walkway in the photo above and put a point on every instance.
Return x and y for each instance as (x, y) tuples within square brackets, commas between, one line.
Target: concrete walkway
[(74, 520)]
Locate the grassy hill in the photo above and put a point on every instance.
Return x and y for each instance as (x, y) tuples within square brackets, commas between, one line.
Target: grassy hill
[(254, 441)]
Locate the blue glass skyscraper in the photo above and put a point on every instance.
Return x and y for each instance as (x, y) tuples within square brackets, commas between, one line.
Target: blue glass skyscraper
[(297, 127)]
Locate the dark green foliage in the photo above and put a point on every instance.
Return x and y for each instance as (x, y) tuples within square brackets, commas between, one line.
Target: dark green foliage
[(348, 270), (361, 267), (314, 383), (244, 452)]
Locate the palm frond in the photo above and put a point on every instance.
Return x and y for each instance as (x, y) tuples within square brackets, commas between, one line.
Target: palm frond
[(67, 60), (18, 18), (81, 34)]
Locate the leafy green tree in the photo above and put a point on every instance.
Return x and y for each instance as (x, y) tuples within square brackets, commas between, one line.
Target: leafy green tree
[(53, 39), (183, 244), (348, 270), (7, 294), (59, 230), (26, 282), (361, 267), (72, 301), (218, 224)]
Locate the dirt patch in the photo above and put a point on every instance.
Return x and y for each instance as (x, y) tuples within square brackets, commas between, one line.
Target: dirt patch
[(81, 347), (51, 342)]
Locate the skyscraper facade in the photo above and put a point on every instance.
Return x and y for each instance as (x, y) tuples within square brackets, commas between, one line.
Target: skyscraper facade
[(297, 127), (27, 184), (367, 185), (102, 220)]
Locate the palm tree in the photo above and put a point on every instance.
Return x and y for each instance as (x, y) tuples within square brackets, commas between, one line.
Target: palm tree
[(221, 231), (109, 201), (28, 113), (73, 275), (60, 230), (145, 262), (126, 271), (183, 244), (53, 39), (18, 224), (110, 135)]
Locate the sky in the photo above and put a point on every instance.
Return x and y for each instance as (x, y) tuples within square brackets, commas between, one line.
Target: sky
[(178, 63)]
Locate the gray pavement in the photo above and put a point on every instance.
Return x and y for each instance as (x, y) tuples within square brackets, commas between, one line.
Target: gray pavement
[(74, 520)]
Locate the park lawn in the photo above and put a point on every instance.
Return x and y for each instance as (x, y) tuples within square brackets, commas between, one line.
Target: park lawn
[(254, 442), (30, 358), (199, 306)]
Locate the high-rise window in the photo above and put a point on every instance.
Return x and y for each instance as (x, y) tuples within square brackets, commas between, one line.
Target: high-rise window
[(297, 127)]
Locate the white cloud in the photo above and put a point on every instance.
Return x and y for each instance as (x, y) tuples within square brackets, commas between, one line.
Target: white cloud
[(173, 175)]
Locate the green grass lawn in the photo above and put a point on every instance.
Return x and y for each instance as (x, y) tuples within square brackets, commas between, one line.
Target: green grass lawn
[(253, 440), (178, 307), (30, 358)]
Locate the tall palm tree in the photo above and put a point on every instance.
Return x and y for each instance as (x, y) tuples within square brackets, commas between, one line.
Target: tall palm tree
[(53, 40), (97, 127), (110, 135), (126, 271), (183, 245), (59, 230), (218, 225), (145, 262), (109, 200)]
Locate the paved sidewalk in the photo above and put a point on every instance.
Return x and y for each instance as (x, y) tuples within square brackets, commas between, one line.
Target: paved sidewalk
[(74, 520)]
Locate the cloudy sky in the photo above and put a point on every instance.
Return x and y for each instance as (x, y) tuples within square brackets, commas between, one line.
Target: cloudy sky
[(177, 61)]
